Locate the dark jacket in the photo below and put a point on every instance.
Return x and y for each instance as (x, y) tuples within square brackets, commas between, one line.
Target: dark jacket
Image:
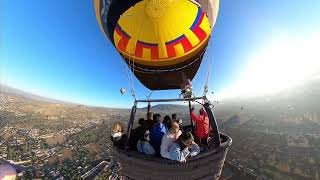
[(136, 135), (119, 141)]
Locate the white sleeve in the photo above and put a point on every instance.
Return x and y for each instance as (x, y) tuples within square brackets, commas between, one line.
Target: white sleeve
[(194, 150)]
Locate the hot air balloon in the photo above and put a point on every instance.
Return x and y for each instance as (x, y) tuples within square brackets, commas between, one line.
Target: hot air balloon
[(123, 90), (163, 46), (163, 43)]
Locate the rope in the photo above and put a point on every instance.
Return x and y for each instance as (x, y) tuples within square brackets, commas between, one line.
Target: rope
[(148, 97), (208, 69), (132, 66), (129, 75), (208, 72)]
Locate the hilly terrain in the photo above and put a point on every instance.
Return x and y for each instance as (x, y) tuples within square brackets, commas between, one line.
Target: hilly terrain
[(269, 134)]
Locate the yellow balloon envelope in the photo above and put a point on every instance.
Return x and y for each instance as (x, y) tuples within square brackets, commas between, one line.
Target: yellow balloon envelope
[(163, 41)]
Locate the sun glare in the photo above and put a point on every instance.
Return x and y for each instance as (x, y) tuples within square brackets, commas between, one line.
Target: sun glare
[(282, 65)]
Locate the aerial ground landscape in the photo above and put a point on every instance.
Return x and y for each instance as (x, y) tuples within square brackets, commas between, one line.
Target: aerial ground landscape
[(274, 137), (233, 86)]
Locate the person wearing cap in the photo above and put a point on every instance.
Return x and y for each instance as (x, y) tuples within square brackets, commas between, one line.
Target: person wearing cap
[(202, 125), (183, 148), (144, 145)]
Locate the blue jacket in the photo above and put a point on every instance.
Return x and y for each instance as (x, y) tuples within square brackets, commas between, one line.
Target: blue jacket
[(144, 147), (156, 134)]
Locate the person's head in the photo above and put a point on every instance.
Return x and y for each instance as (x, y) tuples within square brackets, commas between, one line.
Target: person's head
[(150, 116), (186, 138), (174, 128), (141, 121), (157, 118), (117, 127), (167, 121), (174, 117)]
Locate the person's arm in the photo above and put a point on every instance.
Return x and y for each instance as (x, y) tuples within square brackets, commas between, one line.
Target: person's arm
[(163, 147), (194, 117), (178, 155), (194, 149)]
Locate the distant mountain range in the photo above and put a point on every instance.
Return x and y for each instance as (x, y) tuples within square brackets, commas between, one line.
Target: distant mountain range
[(292, 105), (22, 94)]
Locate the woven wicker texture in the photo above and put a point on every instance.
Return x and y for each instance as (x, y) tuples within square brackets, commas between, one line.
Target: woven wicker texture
[(207, 165)]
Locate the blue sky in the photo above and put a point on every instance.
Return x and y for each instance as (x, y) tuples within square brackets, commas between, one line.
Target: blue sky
[(55, 48)]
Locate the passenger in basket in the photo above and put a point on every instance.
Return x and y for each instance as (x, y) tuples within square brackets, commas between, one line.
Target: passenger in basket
[(174, 117), (168, 139), (117, 137), (202, 124), (144, 145), (138, 133), (157, 132), (167, 122), (183, 148), (150, 120), (177, 120)]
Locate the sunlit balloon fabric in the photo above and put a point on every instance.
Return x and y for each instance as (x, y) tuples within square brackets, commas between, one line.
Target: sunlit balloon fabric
[(163, 41)]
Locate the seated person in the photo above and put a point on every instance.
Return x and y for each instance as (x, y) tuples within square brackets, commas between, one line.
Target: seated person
[(202, 125), (117, 137), (167, 122), (150, 122), (168, 139), (177, 120), (144, 145), (174, 117), (183, 148), (157, 132), (138, 133)]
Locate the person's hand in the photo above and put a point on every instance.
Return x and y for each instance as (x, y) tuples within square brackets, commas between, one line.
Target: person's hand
[(184, 161)]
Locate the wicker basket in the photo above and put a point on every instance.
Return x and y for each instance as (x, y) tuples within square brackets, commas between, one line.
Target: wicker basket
[(206, 165)]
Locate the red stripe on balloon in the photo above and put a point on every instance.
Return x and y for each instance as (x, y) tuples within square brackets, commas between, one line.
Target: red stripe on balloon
[(186, 44), (140, 47), (198, 31)]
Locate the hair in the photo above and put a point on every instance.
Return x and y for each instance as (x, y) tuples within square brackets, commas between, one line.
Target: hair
[(174, 126), (150, 116), (157, 118), (167, 121), (117, 127), (185, 136), (174, 116), (141, 121)]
